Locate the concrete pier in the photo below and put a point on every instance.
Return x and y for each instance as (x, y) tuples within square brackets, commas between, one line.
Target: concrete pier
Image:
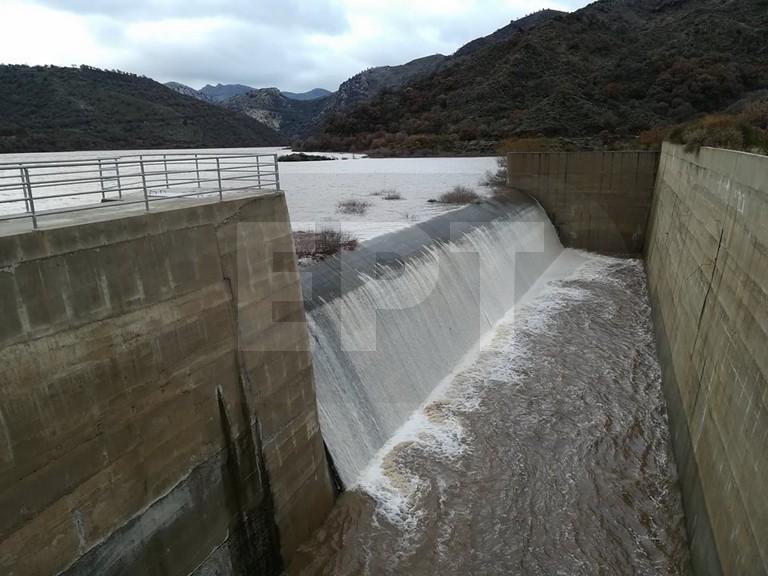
[(157, 410), (707, 260), (597, 201)]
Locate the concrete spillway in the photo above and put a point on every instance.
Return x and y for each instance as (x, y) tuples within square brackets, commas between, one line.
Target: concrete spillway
[(546, 448), (157, 406), (392, 319)]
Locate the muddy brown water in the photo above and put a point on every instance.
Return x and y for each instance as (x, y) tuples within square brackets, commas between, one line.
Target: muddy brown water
[(549, 455)]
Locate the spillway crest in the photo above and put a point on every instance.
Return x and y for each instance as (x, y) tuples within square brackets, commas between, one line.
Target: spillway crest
[(384, 335)]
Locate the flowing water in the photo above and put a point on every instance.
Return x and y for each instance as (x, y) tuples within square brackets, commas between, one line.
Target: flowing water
[(544, 450), (383, 346)]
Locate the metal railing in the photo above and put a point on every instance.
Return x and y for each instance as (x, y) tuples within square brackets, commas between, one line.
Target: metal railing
[(35, 189)]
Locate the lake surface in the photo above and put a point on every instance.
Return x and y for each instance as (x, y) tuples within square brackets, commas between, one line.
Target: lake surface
[(314, 189)]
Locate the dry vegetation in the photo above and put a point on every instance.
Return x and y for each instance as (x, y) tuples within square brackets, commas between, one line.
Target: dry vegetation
[(322, 243), (458, 195), (353, 206), (746, 131)]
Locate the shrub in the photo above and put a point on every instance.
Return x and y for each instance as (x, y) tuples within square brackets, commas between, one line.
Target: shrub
[(353, 206), (537, 144), (498, 178), (756, 114), (392, 195), (720, 131), (322, 243), (652, 138), (458, 195)]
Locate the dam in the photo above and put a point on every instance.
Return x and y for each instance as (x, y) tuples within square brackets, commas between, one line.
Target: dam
[(492, 398)]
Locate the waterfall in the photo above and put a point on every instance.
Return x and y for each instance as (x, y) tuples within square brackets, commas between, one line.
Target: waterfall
[(388, 322)]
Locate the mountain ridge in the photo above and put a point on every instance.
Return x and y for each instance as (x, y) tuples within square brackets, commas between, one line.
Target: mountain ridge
[(50, 108), (603, 73)]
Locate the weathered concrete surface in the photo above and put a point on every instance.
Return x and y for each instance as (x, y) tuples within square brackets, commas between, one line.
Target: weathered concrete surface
[(156, 416), (707, 260), (597, 201)]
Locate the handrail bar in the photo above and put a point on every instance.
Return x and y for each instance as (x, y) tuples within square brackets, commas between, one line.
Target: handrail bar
[(153, 176)]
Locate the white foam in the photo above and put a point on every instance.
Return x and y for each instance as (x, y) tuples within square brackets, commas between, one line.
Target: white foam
[(499, 356)]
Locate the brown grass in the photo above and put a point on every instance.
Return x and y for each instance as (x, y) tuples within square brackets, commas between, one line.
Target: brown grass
[(458, 195), (322, 243), (720, 131), (353, 206)]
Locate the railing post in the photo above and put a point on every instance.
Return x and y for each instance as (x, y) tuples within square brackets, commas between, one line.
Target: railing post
[(165, 168), (119, 185), (144, 183), (28, 187), (218, 173), (197, 169), (24, 188), (258, 171), (277, 172), (101, 180)]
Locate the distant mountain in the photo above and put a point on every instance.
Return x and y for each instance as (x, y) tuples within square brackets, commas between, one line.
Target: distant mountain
[(221, 92), (369, 83), (291, 118), (187, 91), (301, 115), (47, 108), (603, 73), (311, 95)]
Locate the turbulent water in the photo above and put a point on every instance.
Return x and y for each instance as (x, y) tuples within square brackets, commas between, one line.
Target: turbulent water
[(383, 345), (546, 454)]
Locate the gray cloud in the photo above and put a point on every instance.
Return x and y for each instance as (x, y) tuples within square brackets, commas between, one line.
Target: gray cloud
[(326, 16), (292, 44)]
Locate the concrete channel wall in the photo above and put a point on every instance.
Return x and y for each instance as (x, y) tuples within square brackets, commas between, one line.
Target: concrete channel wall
[(157, 409), (707, 260), (597, 201)]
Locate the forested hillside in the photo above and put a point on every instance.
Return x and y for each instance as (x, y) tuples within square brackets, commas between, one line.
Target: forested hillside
[(47, 108), (598, 76)]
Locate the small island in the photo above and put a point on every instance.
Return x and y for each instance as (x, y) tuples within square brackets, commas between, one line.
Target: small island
[(301, 157)]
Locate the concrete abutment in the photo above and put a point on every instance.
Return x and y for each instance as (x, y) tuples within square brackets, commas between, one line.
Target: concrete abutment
[(701, 223), (155, 417)]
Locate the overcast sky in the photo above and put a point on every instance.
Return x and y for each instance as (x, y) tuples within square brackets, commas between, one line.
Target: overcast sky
[(294, 45)]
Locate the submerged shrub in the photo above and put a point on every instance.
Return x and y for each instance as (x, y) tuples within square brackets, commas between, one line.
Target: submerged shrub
[(322, 243), (458, 195), (496, 180), (353, 206)]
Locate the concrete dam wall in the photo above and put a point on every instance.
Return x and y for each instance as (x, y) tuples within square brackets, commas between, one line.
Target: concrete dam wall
[(157, 399), (157, 408), (702, 223), (707, 260), (597, 201)]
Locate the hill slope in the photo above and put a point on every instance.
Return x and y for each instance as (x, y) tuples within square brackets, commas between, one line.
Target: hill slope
[(313, 94), (51, 109), (222, 92), (609, 70), (508, 31), (289, 117), (187, 91)]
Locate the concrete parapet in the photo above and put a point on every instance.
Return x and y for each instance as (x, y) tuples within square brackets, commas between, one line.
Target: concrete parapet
[(597, 201), (707, 259), (157, 409)]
